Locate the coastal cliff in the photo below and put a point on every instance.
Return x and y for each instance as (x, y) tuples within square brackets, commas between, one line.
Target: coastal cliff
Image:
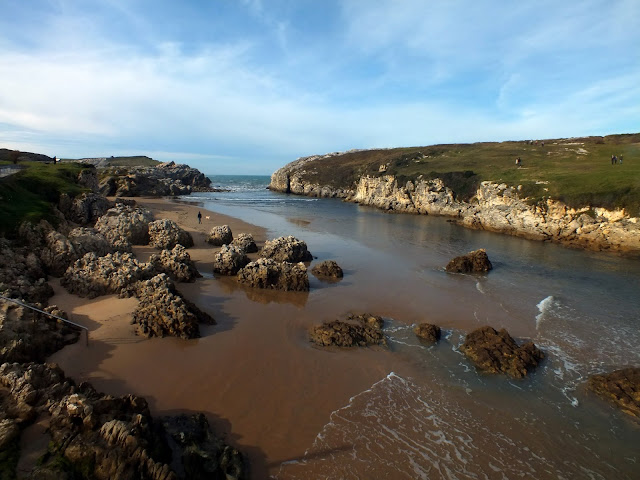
[(493, 206)]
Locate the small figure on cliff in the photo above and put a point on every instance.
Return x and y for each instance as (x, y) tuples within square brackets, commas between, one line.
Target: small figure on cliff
[(614, 160), (518, 162), (620, 160), (199, 217)]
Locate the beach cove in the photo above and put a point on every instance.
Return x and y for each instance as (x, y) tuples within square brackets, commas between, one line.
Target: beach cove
[(276, 396)]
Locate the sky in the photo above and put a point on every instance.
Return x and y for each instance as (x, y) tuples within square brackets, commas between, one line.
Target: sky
[(247, 86)]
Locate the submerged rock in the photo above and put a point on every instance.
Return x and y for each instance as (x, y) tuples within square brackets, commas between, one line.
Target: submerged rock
[(327, 269), (473, 262), (358, 330), (621, 387), (497, 352), (267, 273), (428, 332), (286, 249), (220, 235)]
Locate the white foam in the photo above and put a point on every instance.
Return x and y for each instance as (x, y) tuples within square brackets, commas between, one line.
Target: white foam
[(545, 306)]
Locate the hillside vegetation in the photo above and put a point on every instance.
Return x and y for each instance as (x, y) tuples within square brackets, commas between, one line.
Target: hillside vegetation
[(31, 193), (129, 161), (577, 171)]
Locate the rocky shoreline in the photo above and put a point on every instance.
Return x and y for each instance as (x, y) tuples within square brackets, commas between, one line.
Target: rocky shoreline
[(496, 207)]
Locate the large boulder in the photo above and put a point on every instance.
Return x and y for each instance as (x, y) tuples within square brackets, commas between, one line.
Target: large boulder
[(229, 260), (22, 274), (166, 234), (125, 221), (356, 331), (427, 332), (245, 242), (92, 276), (473, 262), (86, 240), (162, 311), (85, 209), (220, 235), (267, 273), (621, 387), (497, 352), (286, 249), (327, 269), (176, 263)]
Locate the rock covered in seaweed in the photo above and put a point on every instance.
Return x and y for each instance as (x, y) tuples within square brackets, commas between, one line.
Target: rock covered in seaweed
[(357, 330), (621, 387), (476, 261), (497, 352), (427, 332), (166, 234), (286, 249), (267, 273)]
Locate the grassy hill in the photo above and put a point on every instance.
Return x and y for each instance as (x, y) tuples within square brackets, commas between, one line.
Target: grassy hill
[(31, 193), (577, 171), (130, 161)]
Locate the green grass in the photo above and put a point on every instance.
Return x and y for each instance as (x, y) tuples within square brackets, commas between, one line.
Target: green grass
[(577, 171), (31, 193)]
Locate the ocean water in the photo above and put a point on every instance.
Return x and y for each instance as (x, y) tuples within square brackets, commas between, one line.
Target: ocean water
[(439, 417)]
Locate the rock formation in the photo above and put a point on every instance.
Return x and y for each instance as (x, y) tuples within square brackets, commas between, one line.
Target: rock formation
[(497, 352), (166, 234), (327, 269), (427, 332), (621, 387), (267, 273), (22, 274), (84, 209), (245, 242), (176, 263), (473, 262), (286, 249), (220, 235), (229, 260), (358, 330), (125, 221)]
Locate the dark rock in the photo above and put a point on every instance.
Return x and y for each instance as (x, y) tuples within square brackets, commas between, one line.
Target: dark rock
[(176, 263), (245, 242), (286, 249), (621, 387), (267, 273), (22, 274), (166, 234), (327, 269), (229, 260), (85, 209), (220, 235), (473, 262), (497, 352), (358, 330), (427, 332)]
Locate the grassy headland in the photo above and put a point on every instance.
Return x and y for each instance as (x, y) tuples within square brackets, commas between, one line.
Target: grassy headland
[(577, 171)]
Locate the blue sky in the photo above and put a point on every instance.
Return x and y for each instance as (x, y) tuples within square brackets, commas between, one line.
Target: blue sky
[(246, 86)]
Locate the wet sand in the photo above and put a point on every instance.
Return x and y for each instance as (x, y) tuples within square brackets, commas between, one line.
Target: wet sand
[(256, 376)]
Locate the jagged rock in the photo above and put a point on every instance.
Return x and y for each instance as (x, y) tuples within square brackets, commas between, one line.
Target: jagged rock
[(220, 235), (267, 273), (473, 262), (9, 432), (92, 276), (245, 242), (22, 274), (229, 260), (327, 269), (358, 330), (621, 387), (58, 253), (286, 249), (162, 311), (86, 240), (428, 332), (497, 352), (176, 263), (203, 455), (166, 234), (88, 177), (126, 221), (84, 209)]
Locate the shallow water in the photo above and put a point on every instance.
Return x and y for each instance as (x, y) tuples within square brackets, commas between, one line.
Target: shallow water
[(431, 415)]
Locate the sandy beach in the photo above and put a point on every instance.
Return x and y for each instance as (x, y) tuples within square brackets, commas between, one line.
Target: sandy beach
[(254, 374)]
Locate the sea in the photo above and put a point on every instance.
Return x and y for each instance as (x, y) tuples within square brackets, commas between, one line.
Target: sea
[(436, 416)]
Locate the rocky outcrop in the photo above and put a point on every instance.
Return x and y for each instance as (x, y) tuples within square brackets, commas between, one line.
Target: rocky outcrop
[(162, 311), (22, 274), (427, 332), (94, 435), (176, 263), (220, 235), (357, 330), (327, 269), (92, 276), (497, 352), (621, 387), (286, 249), (84, 209), (166, 234), (267, 273), (245, 242), (473, 262), (229, 260), (125, 222)]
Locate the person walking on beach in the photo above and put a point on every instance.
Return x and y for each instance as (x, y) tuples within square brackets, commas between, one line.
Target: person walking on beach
[(199, 217)]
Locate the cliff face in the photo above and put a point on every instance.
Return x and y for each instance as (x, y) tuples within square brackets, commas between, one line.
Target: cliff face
[(495, 207)]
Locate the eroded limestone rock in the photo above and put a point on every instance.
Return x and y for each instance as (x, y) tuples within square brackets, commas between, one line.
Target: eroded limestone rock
[(229, 260), (166, 234), (427, 332), (327, 269), (245, 242), (621, 387), (267, 273), (220, 235), (357, 330), (286, 249), (473, 262), (176, 263)]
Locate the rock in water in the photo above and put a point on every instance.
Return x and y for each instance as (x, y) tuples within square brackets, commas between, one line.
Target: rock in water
[(473, 262), (327, 269), (497, 352), (229, 260), (622, 387), (267, 273), (286, 249), (428, 332), (358, 330)]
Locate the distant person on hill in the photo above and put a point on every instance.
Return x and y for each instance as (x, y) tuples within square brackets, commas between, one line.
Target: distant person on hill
[(614, 159), (620, 160), (518, 162), (55, 159), (199, 217)]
